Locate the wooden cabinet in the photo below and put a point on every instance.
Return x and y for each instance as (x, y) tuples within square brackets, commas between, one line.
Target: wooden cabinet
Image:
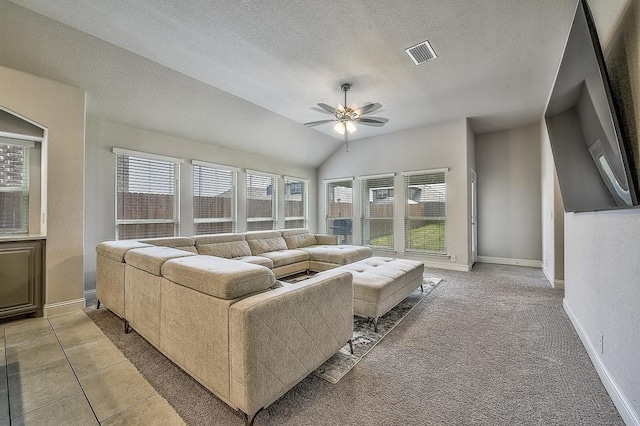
[(21, 277)]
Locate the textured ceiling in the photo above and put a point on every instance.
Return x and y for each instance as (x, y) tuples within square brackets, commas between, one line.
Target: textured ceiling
[(496, 58)]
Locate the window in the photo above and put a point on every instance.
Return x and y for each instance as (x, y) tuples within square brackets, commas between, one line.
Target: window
[(146, 195), (425, 211), (377, 211), (214, 198), (340, 209), (14, 187), (261, 201), (295, 203)]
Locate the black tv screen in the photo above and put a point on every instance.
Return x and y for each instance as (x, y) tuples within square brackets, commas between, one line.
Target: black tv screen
[(588, 148)]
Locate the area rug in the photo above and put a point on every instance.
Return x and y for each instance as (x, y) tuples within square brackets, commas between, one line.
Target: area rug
[(364, 338)]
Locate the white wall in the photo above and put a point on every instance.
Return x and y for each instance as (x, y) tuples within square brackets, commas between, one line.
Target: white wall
[(103, 136), (431, 147), (602, 249), (509, 204)]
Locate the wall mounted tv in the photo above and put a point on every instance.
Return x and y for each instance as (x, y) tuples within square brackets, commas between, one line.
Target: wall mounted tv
[(591, 159)]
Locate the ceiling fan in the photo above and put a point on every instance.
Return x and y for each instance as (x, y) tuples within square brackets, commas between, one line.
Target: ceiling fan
[(346, 117)]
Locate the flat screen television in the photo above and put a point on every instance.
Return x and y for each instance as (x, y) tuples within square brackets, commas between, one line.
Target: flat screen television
[(592, 161)]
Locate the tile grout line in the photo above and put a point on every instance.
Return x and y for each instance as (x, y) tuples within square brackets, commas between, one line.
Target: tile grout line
[(134, 405), (74, 372)]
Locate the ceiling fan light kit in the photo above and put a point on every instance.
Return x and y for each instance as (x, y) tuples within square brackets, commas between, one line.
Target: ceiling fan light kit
[(346, 117)]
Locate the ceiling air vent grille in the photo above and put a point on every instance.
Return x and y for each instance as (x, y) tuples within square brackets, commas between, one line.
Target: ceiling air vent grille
[(421, 53)]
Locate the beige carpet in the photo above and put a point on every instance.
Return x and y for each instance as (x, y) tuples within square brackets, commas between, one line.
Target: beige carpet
[(488, 347)]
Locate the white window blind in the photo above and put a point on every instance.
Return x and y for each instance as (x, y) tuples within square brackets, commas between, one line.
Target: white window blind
[(261, 202), (339, 207), (295, 203), (377, 198), (14, 188), (214, 200), (146, 197), (426, 212)]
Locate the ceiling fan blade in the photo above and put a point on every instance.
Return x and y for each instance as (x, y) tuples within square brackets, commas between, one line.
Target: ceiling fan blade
[(317, 123), (372, 121), (331, 110), (367, 108)]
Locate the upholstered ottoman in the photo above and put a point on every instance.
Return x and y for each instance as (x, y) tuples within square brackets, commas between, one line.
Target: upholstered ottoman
[(380, 283)]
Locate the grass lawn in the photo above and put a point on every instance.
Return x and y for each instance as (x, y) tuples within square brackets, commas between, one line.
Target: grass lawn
[(427, 236)]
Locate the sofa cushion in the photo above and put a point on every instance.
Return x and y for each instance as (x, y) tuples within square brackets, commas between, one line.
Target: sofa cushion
[(256, 260), (115, 250), (218, 277), (228, 250), (175, 242), (265, 241), (286, 257), (217, 238), (299, 238), (338, 255), (152, 258)]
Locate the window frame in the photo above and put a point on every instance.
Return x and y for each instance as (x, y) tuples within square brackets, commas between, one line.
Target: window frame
[(305, 202), (233, 218), (328, 218), (176, 191), (407, 218), (368, 196), (275, 181)]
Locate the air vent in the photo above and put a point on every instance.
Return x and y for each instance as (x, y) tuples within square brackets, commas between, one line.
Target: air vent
[(421, 53)]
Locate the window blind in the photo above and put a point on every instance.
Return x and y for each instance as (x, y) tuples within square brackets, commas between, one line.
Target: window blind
[(261, 202), (377, 199), (214, 200), (14, 188), (339, 207), (426, 212), (146, 197), (295, 203)]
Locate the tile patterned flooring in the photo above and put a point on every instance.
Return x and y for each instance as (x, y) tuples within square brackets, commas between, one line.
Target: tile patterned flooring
[(64, 370)]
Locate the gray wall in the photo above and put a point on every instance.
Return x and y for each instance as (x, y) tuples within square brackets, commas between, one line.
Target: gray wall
[(509, 200), (432, 147), (103, 136)]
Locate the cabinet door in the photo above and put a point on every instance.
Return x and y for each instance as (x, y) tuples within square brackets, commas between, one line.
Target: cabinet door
[(20, 278)]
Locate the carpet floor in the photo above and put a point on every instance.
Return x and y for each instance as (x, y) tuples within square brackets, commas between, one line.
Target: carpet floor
[(487, 347)]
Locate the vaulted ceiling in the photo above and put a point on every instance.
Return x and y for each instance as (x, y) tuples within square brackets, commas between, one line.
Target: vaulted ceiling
[(496, 58)]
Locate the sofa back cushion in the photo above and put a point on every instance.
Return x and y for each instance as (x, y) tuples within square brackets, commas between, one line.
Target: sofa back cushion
[(265, 241), (179, 243), (228, 250), (297, 238), (151, 259), (228, 246)]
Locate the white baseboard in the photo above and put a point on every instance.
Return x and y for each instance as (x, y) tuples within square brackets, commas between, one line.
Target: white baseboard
[(509, 261), (628, 414), (60, 308), (559, 284)]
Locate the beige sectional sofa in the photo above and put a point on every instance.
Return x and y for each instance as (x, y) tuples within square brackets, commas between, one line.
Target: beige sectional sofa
[(213, 306)]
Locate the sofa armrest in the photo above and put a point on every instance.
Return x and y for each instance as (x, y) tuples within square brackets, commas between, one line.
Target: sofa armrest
[(328, 240), (277, 338)]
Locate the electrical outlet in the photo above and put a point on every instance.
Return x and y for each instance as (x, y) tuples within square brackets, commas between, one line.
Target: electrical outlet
[(452, 257), (601, 343)]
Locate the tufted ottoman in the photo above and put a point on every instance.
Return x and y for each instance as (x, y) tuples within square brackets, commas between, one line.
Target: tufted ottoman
[(380, 283)]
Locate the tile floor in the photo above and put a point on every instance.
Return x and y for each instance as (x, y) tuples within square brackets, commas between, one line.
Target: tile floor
[(64, 371)]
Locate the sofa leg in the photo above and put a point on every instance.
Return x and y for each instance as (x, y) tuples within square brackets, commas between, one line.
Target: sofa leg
[(98, 304), (248, 420), (421, 288), (127, 327), (351, 346), (375, 324)]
